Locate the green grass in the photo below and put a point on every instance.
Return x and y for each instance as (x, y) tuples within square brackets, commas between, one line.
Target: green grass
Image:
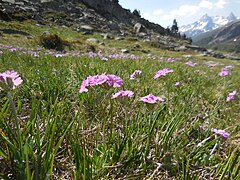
[(91, 136), (60, 133)]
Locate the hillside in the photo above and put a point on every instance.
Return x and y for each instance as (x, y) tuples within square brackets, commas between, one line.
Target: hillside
[(224, 38), (88, 17), (86, 25), (74, 12)]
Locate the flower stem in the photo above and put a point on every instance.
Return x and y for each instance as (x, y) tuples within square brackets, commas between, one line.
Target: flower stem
[(15, 117)]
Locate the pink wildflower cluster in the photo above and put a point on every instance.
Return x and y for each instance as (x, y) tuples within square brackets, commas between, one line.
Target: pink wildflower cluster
[(151, 99), (101, 56), (212, 64), (226, 70), (162, 72), (9, 79), (232, 96), (103, 79), (171, 59), (123, 93), (224, 73), (13, 49), (221, 132), (135, 74), (190, 63), (123, 56), (36, 53)]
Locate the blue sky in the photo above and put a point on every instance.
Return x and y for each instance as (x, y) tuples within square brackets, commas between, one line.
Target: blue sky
[(184, 11)]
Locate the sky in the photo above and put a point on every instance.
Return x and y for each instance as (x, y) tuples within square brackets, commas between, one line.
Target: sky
[(163, 12)]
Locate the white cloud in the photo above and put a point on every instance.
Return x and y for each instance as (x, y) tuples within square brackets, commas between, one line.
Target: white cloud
[(184, 11), (158, 12), (221, 3), (165, 18), (205, 4)]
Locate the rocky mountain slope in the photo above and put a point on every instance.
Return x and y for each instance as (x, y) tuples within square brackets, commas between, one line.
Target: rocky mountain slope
[(223, 38), (91, 15), (87, 16), (206, 23)]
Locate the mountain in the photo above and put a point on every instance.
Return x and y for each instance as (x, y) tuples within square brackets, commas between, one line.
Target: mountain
[(225, 38), (89, 17), (206, 23), (101, 15)]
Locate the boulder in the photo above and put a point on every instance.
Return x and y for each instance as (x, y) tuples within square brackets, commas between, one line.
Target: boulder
[(114, 26), (232, 57), (105, 36), (218, 55), (14, 31), (142, 34), (38, 18), (124, 50), (139, 28), (119, 38), (93, 41), (86, 29), (181, 48), (196, 48), (4, 16), (187, 56)]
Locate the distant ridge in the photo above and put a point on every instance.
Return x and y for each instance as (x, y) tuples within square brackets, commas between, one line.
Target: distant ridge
[(206, 23), (225, 38)]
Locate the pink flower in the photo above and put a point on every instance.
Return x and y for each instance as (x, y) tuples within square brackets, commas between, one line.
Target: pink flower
[(13, 49), (123, 93), (103, 79), (224, 73), (190, 63), (220, 132), (136, 73), (10, 79), (226, 68), (151, 99), (171, 59), (231, 96), (114, 80), (91, 54), (213, 64), (104, 59), (100, 53), (83, 86), (58, 55), (177, 84), (162, 72), (97, 80)]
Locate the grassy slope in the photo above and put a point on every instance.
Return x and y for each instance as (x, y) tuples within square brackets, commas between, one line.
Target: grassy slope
[(89, 135)]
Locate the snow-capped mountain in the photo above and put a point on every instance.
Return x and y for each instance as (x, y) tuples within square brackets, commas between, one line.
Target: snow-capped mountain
[(206, 23)]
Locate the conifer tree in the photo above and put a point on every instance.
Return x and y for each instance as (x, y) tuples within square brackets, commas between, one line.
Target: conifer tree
[(174, 28), (137, 13)]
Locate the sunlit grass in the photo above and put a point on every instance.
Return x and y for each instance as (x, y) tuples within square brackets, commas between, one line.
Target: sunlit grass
[(67, 134)]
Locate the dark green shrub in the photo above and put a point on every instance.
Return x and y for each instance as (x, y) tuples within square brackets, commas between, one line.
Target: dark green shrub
[(51, 41)]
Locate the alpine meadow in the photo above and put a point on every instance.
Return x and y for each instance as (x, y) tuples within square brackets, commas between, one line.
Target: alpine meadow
[(80, 103)]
